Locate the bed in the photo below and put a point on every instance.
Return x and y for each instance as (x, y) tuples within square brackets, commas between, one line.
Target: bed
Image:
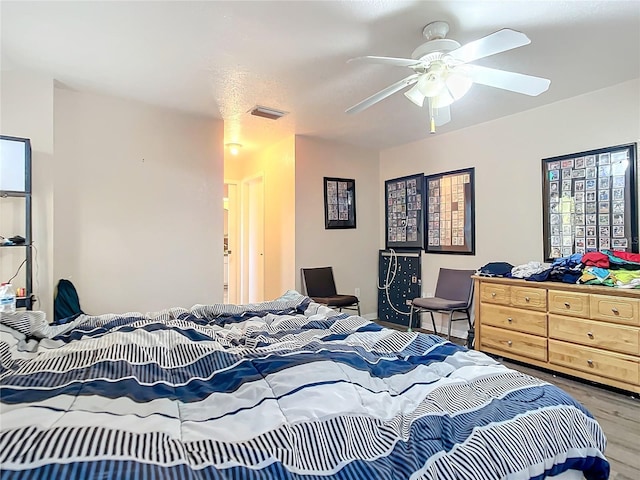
[(286, 389)]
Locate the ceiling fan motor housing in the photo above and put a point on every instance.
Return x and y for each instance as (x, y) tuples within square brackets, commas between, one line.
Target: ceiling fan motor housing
[(434, 30), (442, 45)]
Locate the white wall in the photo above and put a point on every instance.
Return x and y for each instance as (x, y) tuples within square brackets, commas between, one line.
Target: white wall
[(26, 110), (138, 204), (507, 154), (280, 208), (353, 253)]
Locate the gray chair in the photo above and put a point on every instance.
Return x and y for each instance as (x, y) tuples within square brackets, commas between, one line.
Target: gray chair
[(454, 294), (321, 287)]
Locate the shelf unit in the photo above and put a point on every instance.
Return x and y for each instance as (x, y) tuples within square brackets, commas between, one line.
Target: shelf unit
[(28, 300)]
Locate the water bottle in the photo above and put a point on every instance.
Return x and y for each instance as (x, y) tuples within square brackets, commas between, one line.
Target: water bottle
[(7, 298)]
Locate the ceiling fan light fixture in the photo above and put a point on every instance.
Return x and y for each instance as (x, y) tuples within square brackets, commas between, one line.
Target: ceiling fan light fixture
[(458, 84), (431, 83), (234, 148), (415, 95)]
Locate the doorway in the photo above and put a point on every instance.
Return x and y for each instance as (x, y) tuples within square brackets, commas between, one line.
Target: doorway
[(231, 242)]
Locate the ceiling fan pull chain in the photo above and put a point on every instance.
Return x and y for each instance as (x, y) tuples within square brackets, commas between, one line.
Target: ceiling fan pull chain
[(432, 118)]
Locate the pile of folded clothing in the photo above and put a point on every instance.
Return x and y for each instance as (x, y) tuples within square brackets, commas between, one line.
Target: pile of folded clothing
[(564, 269), (609, 268)]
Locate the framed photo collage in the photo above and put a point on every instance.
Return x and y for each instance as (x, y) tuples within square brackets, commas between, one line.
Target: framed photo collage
[(339, 203), (404, 213), (589, 202), (434, 213)]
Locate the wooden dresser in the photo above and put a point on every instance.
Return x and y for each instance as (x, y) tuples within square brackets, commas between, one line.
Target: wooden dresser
[(587, 331)]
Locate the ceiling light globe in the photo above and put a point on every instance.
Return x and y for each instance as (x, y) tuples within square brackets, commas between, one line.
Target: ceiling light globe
[(458, 85), (234, 148), (430, 84), (415, 95)]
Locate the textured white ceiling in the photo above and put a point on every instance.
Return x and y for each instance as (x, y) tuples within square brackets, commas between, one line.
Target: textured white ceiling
[(220, 58)]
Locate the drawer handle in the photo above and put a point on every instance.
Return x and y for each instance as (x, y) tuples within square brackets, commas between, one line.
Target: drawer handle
[(493, 294), (567, 304), (509, 319), (615, 310), (590, 335), (509, 342), (590, 363), (526, 299)]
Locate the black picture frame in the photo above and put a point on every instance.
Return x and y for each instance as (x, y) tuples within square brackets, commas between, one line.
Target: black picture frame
[(404, 212), (589, 201), (450, 212), (339, 203)]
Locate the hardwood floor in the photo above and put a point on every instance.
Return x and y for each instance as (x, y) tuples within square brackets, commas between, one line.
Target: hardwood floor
[(618, 413)]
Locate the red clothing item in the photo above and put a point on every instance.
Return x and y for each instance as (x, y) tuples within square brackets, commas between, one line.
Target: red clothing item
[(628, 256), (596, 259)]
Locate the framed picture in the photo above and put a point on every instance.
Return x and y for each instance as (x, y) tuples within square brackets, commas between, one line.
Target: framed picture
[(339, 203), (404, 212), (450, 213), (589, 202)]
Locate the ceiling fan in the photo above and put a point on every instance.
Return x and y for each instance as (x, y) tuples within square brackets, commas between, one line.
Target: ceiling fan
[(442, 72)]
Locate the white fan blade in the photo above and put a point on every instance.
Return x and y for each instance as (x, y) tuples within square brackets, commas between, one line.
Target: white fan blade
[(398, 62), (516, 82), (497, 42), (442, 115), (384, 93)]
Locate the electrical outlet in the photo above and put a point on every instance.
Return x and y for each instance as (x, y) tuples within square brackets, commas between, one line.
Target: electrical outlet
[(357, 292)]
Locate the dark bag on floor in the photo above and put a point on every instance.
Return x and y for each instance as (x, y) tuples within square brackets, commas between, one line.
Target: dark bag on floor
[(66, 304)]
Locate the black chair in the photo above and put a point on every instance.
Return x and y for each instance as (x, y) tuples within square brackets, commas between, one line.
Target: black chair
[(321, 288), (454, 294)]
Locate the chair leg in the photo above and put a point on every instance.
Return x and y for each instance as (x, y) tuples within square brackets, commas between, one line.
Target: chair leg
[(358, 304), (469, 319), (433, 322), (410, 319), (450, 322)]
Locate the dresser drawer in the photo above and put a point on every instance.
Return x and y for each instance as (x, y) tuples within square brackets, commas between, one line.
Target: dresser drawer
[(517, 343), (598, 362), (614, 309), (608, 336), (569, 303), (495, 293), (529, 298), (510, 318)]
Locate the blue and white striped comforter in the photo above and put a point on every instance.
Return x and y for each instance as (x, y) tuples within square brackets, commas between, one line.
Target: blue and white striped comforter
[(280, 390)]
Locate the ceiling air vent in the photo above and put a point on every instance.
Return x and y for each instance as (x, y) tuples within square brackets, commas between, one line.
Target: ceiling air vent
[(270, 113)]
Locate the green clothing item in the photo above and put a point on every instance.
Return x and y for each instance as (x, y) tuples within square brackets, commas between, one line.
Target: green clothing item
[(629, 278)]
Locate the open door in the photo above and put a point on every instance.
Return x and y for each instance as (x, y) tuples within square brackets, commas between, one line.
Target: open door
[(253, 240)]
